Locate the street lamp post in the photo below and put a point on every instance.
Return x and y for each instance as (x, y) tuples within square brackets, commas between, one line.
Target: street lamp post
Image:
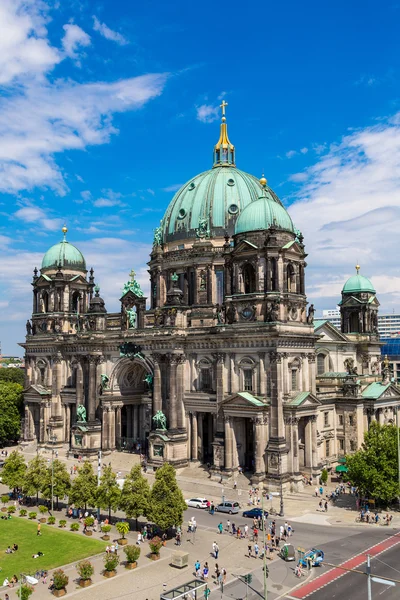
[(53, 439), (281, 508)]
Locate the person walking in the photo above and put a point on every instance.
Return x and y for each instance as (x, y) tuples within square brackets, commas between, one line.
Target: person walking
[(216, 551), (316, 491), (320, 505), (205, 571), (249, 549), (213, 548), (246, 531), (228, 525), (197, 568), (38, 529), (281, 532), (256, 550), (220, 528), (326, 506)]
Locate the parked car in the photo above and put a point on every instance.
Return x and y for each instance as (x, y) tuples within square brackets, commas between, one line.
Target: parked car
[(228, 507), (197, 502), (255, 512)]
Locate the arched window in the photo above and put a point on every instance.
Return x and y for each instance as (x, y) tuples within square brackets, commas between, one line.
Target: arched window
[(247, 372), (41, 372), (301, 277), (75, 302), (290, 279), (205, 376), (294, 373), (45, 299), (274, 275), (249, 279), (321, 360)]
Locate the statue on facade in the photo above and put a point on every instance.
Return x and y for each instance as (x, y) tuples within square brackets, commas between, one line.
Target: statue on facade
[(311, 313), (203, 230), (157, 240), (203, 281), (132, 286), (28, 327), (149, 380), (160, 420), (104, 379), (131, 313), (81, 413), (221, 313), (159, 317), (349, 366), (385, 370), (231, 314)]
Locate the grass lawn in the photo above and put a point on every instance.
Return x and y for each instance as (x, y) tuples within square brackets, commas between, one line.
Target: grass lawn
[(59, 547)]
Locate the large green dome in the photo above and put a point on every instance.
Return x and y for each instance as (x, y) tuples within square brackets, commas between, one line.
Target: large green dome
[(66, 255), (357, 284), (218, 196), (263, 214)]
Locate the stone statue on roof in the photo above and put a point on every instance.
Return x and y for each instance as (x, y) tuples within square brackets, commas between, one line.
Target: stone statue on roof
[(132, 286), (81, 413), (157, 240), (160, 420), (203, 231)]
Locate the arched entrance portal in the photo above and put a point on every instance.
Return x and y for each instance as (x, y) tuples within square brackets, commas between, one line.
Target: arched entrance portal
[(133, 410)]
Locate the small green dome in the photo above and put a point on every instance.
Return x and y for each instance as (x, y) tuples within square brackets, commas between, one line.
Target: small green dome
[(263, 214), (65, 254), (217, 196), (358, 283)]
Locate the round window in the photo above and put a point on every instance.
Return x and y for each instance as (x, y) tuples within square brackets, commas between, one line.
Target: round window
[(233, 209), (182, 213), (192, 186), (231, 182)]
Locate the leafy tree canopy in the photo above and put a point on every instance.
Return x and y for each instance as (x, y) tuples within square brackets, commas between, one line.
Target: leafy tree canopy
[(108, 493), (135, 494), (84, 486), (373, 468), (13, 472), (34, 476), (14, 375), (61, 480), (167, 504), (10, 404)]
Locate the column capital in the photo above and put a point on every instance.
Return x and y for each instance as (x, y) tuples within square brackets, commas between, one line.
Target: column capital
[(57, 358), (311, 357), (219, 357), (275, 357), (313, 418), (180, 359)]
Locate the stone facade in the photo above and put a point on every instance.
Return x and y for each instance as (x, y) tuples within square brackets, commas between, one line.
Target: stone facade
[(227, 353)]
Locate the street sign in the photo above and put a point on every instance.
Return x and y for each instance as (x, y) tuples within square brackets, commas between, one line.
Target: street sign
[(383, 581)]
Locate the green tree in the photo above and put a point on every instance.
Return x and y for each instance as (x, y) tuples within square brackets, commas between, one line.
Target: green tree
[(84, 486), (135, 495), (34, 477), (14, 470), (13, 375), (10, 417), (108, 493), (166, 506), (61, 481), (373, 468)]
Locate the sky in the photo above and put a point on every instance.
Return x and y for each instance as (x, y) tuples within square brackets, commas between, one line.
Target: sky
[(107, 107)]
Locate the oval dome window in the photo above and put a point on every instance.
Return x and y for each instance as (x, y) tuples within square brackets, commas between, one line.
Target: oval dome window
[(231, 182), (182, 213), (233, 209), (192, 186)]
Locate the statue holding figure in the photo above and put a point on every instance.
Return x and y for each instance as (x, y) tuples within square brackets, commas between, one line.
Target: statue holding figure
[(131, 317), (104, 381), (160, 420), (81, 413), (157, 240)]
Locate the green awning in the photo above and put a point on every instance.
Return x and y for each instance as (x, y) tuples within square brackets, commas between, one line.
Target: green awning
[(341, 469), (342, 460)]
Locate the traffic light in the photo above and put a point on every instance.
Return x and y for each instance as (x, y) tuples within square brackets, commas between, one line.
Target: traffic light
[(248, 578), (266, 571)]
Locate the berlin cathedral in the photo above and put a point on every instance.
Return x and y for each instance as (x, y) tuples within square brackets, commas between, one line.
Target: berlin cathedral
[(225, 363)]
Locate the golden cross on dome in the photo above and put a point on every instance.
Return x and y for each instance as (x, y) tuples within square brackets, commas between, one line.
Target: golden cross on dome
[(132, 274), (222, 106)]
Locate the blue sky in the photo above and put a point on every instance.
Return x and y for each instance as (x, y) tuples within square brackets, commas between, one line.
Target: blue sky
[(106, 107)]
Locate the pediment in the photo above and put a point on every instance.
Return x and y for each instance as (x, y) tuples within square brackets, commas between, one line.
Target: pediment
[(243, 400), (294, 247), (328, 332), (131, 296), (244, 246), (303, 400), (37, 392)]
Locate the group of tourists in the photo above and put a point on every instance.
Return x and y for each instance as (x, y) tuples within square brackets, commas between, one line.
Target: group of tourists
[(203, 573), (11, 549)]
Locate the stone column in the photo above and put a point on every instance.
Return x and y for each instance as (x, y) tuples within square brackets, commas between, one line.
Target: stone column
[(105, 429), (289, 441), (135, 419), (27, 423), (180, 390), (295, 438), (262, 375), (92, 393), (314, 446), (200, 445), (277, 431), (157, 396), (173, 416), (158, 287), (111, 428), (228, 443), (259, 445), (195, 449), (56, 410), (308, 443), (196, 285), (118, 423), (189, 435), (67, 422), (305, 373), (129, 421), (312, 374), (210, 273), (220, 358), (286, 387)]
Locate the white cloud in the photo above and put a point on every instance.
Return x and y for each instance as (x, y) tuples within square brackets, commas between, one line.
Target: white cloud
[(304, 150), (32, 214), (74, 39), (105, 202), (86, 195), (291, 153), (24, 47), (108, 33), (206, 113), (348, 209), (173, 188)]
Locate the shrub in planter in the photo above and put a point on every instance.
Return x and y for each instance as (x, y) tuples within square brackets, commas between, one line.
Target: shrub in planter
[(43, 511), (11, 509), (122, 528), (51, 520), (132, 554), (25, 591), (60, 580), (155, 546), (74, 527), (5, 498), (89, 522), (23, 512), (106, 530), (111, 562), (62, 523), (32, 515), (85, 570)]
